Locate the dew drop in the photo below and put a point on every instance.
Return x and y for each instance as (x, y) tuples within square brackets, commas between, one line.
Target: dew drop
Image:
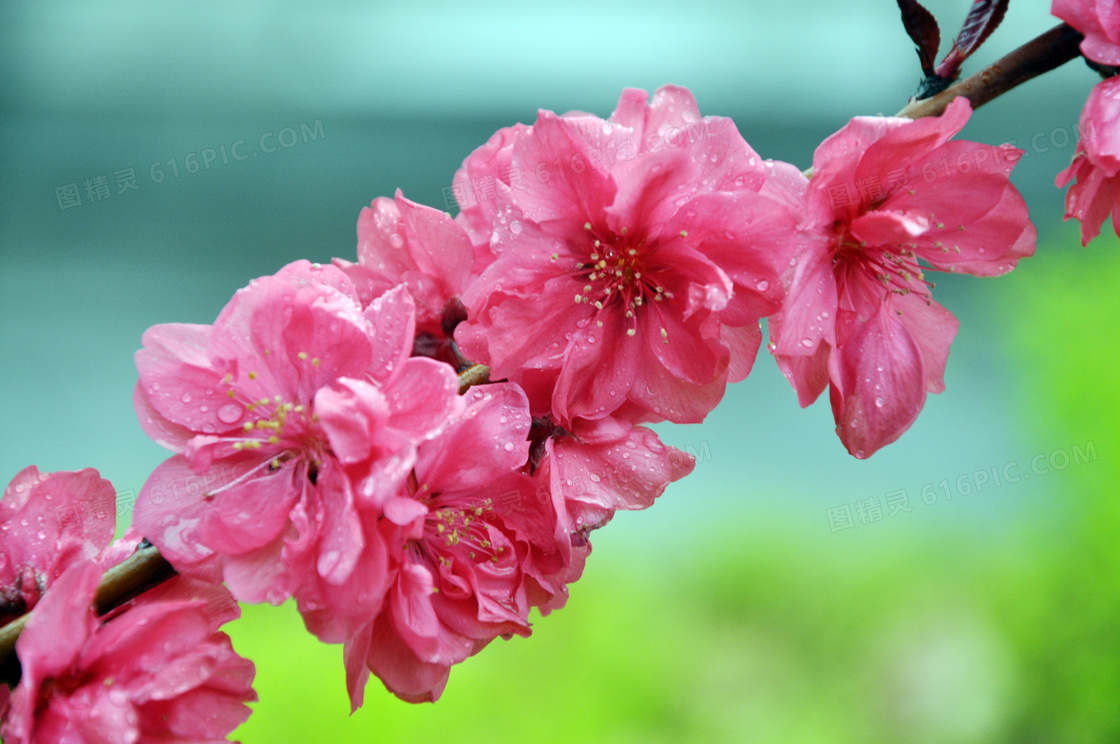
[(508, 446), (186, 398), (879, 402), (515, 227), (806, 342), (396, 240), (230, 413), (763, 285)]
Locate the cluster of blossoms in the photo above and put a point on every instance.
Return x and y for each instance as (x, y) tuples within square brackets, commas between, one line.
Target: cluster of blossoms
[(1096, 165), (616, 278), (155, 668), (416, 446)]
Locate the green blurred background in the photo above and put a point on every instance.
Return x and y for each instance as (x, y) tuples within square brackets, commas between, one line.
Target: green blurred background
[(739, 608)]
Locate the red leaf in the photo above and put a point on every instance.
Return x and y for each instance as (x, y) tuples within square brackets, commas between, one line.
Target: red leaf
[(984, 17), (923, 30)]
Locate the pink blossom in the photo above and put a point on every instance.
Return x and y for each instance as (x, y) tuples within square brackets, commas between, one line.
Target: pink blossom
[(155, 669), (48, 522), (859, 317), (605, 465), (294, 414), (634, 258), (1099, 21), (1096, 163), (402, 242), (461, 536)]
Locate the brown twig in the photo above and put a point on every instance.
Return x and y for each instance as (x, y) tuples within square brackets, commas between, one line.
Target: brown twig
[(143, 570), (1039, 55), (128, 579)]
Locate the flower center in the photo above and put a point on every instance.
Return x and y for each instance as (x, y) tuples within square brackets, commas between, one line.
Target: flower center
[(617, 270), (286, 428), (896, 267)]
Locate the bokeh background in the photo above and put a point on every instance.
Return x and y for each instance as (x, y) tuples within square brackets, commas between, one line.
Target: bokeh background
[(742, 606)]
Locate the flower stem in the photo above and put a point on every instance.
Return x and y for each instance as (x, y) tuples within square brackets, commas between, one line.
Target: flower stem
[(128, 579), (1039, 55), (143, 570)]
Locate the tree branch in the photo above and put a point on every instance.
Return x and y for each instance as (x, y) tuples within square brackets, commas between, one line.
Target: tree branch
[(1039, 55), (128, 579), (143, 570)]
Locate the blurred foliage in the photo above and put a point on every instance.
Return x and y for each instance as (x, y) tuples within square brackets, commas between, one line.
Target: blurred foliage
[(931, 637)]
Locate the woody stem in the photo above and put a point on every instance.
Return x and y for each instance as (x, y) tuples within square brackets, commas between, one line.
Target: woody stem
[(143, 570), (139, 572), (1039, 55)]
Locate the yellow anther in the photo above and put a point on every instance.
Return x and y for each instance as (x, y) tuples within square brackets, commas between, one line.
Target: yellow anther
[(252, 375), (274, 439), (302, 355), (248, 426), (587, 226), (684, 233), (315, 362)]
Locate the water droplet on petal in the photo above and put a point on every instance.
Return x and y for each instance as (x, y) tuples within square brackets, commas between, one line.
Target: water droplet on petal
[(230, 413)]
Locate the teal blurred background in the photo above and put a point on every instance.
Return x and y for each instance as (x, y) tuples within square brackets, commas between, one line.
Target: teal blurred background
[(741, 607)]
